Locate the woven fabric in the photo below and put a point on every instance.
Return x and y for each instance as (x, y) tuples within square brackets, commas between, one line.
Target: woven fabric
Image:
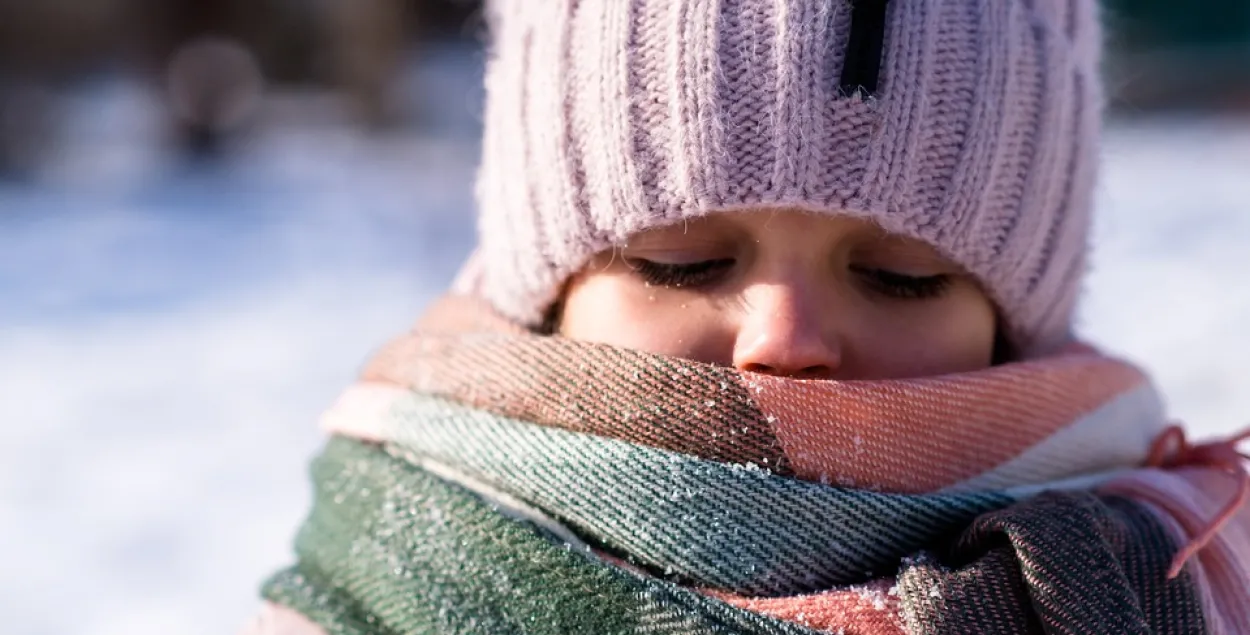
[(683, 516), (471, 500), (915, 435), (1186, 500), (1088, 564), (391, 548), (604, 118)]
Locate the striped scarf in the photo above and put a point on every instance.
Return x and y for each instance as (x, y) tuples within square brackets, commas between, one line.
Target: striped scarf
[(482, 479)]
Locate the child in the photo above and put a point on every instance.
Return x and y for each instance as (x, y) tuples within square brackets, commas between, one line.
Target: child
[(770, 331)]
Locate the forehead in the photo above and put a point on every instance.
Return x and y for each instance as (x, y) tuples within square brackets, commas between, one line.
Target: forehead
[(793, 227)]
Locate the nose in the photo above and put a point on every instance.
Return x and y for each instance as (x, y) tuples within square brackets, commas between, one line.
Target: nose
[(785, 332)]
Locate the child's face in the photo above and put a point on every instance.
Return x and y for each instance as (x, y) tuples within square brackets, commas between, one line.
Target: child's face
[(785, 293)]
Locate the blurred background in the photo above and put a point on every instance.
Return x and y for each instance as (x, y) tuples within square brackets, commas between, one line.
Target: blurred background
[(211, 211)]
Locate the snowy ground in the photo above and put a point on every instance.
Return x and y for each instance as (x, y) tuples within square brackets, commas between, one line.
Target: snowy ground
[(168, 335)]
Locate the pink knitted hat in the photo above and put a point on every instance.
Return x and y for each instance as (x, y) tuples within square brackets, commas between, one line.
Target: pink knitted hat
[(969, 124)]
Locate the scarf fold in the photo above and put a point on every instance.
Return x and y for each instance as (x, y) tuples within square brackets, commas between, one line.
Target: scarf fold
[(483, 479)]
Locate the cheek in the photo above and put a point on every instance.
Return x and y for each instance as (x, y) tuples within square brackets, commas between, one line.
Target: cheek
[(614, 310), (951, 336)]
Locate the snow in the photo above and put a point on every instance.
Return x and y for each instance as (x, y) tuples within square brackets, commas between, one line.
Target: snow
[(1169, 287), (168, 335)]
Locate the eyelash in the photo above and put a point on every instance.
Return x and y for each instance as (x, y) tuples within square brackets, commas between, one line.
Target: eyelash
[(707, 272), (897, 285), (677, 276)]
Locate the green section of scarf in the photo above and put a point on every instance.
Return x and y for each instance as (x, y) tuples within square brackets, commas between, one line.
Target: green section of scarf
[(391, 547)]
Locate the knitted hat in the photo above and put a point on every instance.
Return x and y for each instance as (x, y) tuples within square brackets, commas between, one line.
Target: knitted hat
[(971, 125)]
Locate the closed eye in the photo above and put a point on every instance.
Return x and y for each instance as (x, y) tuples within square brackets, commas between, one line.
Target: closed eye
[(902, 286), (681, 275)]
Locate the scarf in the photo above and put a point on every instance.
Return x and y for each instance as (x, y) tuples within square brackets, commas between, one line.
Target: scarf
[(483, 479)]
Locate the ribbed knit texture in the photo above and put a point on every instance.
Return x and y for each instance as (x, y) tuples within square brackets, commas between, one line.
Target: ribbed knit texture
[(608, 117)]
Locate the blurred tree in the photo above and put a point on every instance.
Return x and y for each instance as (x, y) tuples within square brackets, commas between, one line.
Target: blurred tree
[(1170, 54), (44, 45), (372, 40), (368, 42), (1155, 24)]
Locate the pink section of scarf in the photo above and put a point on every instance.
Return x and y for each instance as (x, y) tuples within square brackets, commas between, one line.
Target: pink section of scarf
[(924, 435)]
